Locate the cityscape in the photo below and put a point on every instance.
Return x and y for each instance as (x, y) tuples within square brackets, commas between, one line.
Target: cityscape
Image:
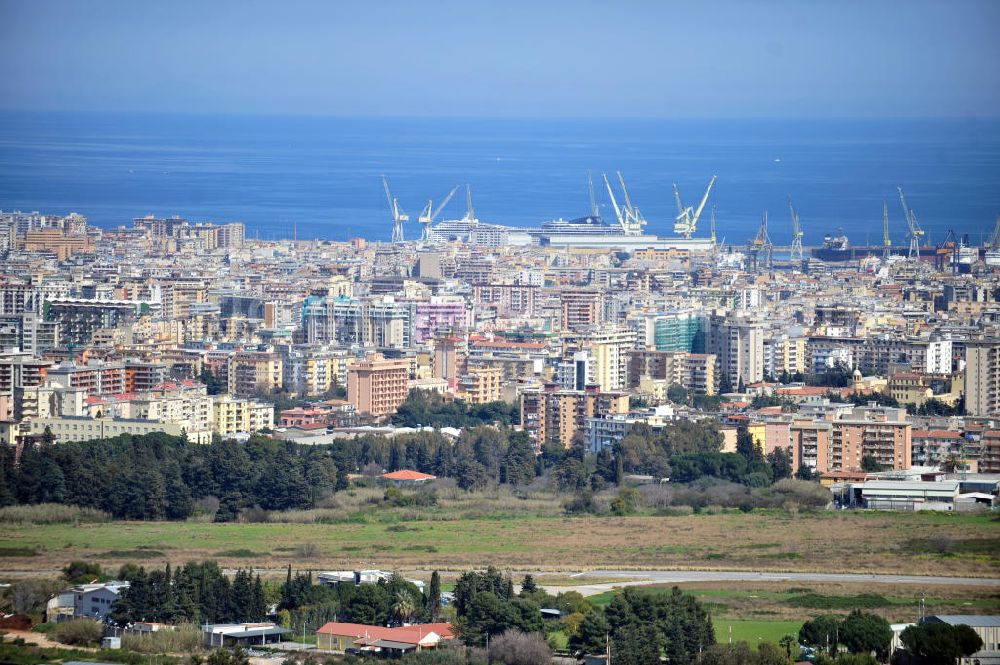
[(699, 435)]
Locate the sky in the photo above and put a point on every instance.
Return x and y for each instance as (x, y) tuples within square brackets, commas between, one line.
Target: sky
[(512, 58)]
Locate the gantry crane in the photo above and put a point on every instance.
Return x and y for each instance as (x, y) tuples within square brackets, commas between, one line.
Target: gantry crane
[(686, 222), (886, 241), (796, 232), (913, 228), (429, 213), (761, 244), (398, 216)]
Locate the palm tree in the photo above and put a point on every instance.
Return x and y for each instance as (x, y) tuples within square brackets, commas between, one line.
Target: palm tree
[(403, 608)]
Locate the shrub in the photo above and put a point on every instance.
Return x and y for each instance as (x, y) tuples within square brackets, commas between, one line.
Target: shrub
[(306, 550), (186, 638), (50, 513), (82, 572), (516, 648), (78, 632)]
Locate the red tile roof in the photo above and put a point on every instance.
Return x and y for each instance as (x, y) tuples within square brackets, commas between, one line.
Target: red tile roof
[(407, 474)]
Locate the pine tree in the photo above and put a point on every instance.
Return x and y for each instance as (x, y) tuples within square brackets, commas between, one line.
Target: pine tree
[(434, 597)]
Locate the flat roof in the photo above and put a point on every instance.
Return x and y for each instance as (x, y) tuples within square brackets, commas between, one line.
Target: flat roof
[(972, 620)]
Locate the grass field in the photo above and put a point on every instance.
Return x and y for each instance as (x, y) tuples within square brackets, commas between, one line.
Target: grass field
[(916, 543), (770, 610), (753, 632)]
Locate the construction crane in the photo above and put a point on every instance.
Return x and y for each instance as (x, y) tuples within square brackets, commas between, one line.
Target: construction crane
[(614, 202), (916, 233), (796, 232), (686, 222), (886, 241), (470, 212), (761, 244), (713, 225), (398, 216), (429, 213)]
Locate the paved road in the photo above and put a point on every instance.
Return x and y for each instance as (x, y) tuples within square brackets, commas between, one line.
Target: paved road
[(639, 577)]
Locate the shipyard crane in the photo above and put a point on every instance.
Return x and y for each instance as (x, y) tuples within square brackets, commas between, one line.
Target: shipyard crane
[(686, 222), (614, 203), (995, 236), (713, 225), (886, 241), (470, 212), (398, 216), (796, 232), (427, 217), (594, 210), (633, 218), (761, 244), (916, 233)]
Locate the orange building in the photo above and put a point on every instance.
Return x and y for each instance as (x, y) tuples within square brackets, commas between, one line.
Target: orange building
[(378, 386)]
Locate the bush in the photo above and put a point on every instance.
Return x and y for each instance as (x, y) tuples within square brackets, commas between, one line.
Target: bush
[(516, 648), (51, 513), (78, 632), (186, 638), (81, 572)]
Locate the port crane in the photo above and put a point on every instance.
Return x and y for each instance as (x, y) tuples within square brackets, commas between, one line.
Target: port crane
[(796, 232), (886, 241), (594, 210), (429, 213), (761, 244), (916, 233), (995, 236), (398, 216), (629, 217), (686, 222)]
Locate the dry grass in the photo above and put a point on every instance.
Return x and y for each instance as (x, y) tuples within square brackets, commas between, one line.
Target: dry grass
[(50, 513), (186, 639), (425, 539)]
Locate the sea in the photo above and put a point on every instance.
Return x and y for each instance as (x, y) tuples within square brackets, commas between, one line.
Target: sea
[(319, 177)]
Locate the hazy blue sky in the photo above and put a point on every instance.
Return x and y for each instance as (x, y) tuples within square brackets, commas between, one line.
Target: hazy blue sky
[(512, 58)]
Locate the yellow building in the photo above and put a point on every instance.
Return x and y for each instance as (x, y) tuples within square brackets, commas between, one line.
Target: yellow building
[(254, 372), (481, 385), (231, 416)]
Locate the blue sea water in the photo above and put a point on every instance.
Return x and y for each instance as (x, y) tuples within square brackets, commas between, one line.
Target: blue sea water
[(322, 173)]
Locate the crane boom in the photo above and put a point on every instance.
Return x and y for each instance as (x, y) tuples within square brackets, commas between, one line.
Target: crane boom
[(443, 203), (680, 206), (593, 201), (701, 206), (470, 212), (614, 202), (628, 201)]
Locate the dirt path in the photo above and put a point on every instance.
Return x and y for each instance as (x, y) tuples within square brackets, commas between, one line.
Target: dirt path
[(39, 639)]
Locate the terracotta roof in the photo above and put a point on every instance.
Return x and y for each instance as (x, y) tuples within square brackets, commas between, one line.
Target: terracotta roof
[(407, 474), (936, 434), (408, 634)]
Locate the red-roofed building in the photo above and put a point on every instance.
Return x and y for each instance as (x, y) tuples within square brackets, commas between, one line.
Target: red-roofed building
[(407, 478), (931, 447), (336, 636)]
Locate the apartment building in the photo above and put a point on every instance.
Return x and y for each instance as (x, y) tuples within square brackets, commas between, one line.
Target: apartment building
[(609, 348), (553, 415), (693, 371), (232, 416), (982, 377), (481, 385), (252, 372), (378, 386), (580, 308)]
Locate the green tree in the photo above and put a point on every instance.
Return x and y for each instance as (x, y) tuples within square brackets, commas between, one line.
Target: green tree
[(870, 464), (940, 643), (592, 634), (434, 597), (781, 463), (864, 632), (821, 632)]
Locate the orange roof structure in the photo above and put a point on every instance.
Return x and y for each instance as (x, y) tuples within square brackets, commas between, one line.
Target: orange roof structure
[(408, 475)]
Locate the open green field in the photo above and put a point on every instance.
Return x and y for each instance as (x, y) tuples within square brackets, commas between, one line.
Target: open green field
[(753, 632), (914, 543)]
